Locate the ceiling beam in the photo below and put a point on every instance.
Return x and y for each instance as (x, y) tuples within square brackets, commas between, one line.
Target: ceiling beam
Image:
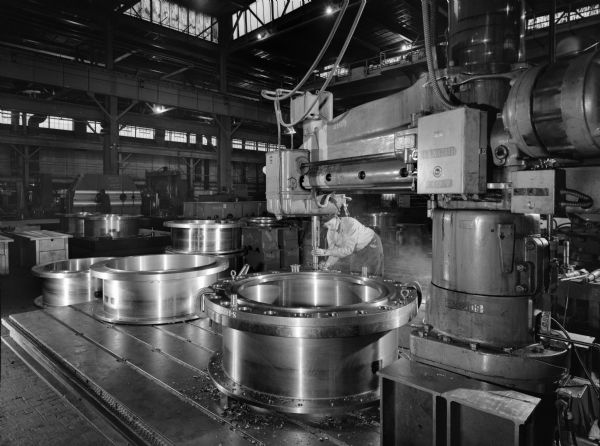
[(94, 144), (80, 112), (82, 77)]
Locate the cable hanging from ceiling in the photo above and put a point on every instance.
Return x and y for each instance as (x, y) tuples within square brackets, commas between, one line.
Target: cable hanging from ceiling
[(280, 95)]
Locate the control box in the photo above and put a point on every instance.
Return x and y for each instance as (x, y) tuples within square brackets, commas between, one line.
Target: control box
[(452, 152), (537, 191)]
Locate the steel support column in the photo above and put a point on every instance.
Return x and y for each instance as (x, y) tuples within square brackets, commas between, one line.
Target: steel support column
[(225, 149), (110, 155)]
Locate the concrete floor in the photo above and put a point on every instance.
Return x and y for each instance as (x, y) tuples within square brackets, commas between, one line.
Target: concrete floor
[(31, 412)]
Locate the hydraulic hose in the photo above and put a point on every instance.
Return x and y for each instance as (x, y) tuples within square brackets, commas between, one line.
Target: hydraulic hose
[(431, 68), (583, 201)]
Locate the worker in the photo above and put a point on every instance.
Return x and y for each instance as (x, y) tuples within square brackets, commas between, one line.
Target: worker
[(103, 202), (350, 240)]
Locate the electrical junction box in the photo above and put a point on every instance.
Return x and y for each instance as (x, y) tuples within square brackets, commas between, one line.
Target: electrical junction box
[(537, 191), (452, 152)]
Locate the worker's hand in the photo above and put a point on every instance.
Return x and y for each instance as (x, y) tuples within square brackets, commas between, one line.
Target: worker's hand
[(320, 252)]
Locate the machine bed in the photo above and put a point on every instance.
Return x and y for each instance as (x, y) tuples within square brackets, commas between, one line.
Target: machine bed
[(150, 385)]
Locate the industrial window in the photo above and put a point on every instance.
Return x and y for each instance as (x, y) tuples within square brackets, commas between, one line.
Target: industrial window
[(132, 131), (51, 122), (213, 141), (261, 146), (275, 146), (583, 12), (250, 145), (204, 140), (260, 13), (5, 117), (236, 143), (179, 18), (58, 123), (192, 138), (174, 136), (94, 127)]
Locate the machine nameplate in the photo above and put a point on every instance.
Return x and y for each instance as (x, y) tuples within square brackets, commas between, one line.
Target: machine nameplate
[(465, 306), (439, 184), (440, 152)]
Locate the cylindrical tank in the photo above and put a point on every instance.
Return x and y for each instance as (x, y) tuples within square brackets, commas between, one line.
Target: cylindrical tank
[(68, 282), (111, 225), (554, 110), (154, 289), (380, 220), (484, 35), (74, 223), (307, 342), (481, 279), (205, 236)]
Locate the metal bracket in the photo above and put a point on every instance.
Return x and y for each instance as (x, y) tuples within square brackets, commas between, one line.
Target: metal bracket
[(506, 245)]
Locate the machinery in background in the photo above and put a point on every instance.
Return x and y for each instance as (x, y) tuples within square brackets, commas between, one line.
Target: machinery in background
[(165, 193), (121, 190), (270, 244), (493, 143), (220, 238), (219, 210)]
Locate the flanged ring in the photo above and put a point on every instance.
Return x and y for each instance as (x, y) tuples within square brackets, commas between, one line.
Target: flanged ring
[(348, 305)]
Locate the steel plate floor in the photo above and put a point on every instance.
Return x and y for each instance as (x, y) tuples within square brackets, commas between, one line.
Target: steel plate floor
[(153, 381)]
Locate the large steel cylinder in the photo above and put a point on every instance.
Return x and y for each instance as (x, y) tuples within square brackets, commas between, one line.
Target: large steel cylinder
[(154, 289), (484, 35), (68, 282), (74, 223), (487, 270), (554, 110), (111, 225), (205, 236), (307, 342), (380, 220)]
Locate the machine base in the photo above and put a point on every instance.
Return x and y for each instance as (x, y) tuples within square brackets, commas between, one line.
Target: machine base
[(151, 383), (314, 406), (423, 406), (525, 370)]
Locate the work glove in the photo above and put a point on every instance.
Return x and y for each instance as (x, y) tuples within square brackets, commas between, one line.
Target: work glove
[(323, 266)]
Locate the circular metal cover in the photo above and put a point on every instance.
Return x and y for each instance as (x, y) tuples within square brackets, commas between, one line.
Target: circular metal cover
[(158, 266), (311, 304)]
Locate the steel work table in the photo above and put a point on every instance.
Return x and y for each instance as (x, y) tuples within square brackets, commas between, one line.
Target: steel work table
[(150, 385)]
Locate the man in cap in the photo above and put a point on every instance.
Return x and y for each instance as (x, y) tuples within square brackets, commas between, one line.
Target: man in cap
[(103, 202), (348, 239)]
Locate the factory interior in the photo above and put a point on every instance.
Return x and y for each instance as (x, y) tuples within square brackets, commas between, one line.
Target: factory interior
[(300, 222)]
